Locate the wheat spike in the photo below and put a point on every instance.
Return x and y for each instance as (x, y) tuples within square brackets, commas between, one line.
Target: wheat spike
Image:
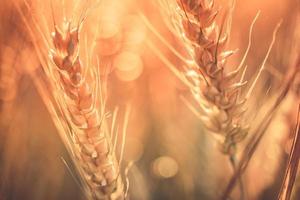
[(94, 146), (79, 107), (216, 91)]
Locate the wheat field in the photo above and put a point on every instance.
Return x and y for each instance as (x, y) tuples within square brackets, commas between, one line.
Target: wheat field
[(149, 100)]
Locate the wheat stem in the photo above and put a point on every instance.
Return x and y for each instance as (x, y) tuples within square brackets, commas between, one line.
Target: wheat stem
[(233, 162)]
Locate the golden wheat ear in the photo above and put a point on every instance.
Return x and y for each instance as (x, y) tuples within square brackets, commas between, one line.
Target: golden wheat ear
[(220, 96), (76, 98)]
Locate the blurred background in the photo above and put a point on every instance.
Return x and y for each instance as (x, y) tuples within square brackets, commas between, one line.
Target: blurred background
[(174, 157)]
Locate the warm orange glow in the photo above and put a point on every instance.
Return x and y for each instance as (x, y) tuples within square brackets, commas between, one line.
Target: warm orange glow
[(148, 100), (109, 38), (165, 167), (129, 66)]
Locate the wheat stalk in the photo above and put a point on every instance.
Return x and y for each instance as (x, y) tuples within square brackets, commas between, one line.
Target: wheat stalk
[(77, 102), (292, 166)]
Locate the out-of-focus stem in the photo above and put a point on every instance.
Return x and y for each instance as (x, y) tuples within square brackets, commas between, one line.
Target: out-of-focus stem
[(243, 194)]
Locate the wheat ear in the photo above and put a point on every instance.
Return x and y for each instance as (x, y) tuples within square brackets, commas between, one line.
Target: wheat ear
[(79, 109), (217, 91), (95, 155)]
